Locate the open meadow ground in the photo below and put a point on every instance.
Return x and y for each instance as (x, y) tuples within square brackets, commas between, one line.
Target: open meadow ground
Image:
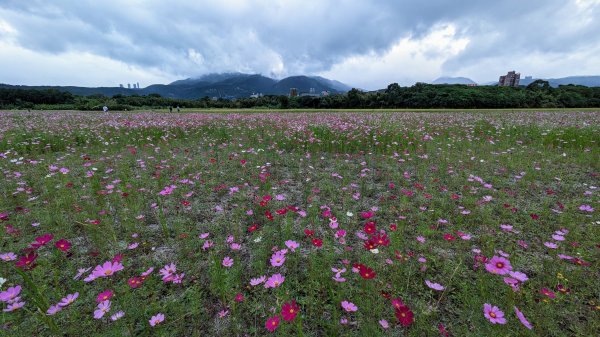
[(308, 224)]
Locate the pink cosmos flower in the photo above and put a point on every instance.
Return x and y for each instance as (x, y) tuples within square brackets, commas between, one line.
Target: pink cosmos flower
[(522, 319), (167, 272), (102, 309), (207, 244), (551, 245), (14, 306), (116, 316), (107, 269), (257, 281), (69, 299), (53, 310), (10, 256), (498, 265), (158, 318), (521, 277), (384, 324), (148, 272), (349, 306), (274, 281), (586, 208), (10, 294), (227, 262), (493, 314), (277, 259), (434, 286), (421, 239)]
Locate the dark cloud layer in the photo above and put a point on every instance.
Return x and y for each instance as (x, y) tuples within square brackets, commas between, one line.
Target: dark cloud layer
[(278, 38)]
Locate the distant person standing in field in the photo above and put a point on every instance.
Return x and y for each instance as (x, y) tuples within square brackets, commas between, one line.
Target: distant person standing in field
[(170, 109), (178, 108), (105, 109)]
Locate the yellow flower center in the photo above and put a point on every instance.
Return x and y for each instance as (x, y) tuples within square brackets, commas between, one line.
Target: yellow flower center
[(492, 315)]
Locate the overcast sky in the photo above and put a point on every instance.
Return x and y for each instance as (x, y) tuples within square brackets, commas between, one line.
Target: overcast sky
[(366, 44)]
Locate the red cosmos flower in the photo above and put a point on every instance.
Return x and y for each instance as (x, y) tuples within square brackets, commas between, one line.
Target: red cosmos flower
[(272, 323), (367, 215), (4, 217), (386, 295), (381, 239), (370, 244), (269, 215), (281, 211), (42, 240), (63, 245), (105, 295), (404, 315), (263, 203), (366, 272), (370, 227), (239, 297), (534, 216), (309, 232), (117, 258), (580, 262), (443, 330), (455, 196), (393, 227), (185, 203), (317, 242), (266, 198), (548, 292), (135, 282), (27, 262), (562, 289), (449, 237), (252, 228), (243, 162), (397, 303), (289, 310)]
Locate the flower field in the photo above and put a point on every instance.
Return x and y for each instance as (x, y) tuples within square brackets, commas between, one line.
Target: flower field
[(307, 224)]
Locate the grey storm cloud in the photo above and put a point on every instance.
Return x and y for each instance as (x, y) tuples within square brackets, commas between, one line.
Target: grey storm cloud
[(277, 37)]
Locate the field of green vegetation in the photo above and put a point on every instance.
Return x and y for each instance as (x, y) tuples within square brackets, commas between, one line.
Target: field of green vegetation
[(356, 223)]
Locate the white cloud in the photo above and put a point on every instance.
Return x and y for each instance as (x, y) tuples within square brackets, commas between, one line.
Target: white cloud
[(408, 61), (71, 68)]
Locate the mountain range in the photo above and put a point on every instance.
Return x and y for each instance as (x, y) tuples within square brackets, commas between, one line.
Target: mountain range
[(588, 81), (238, 85), (225, 85)]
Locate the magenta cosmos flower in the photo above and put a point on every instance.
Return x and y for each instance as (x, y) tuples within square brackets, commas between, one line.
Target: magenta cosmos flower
[(274, 281), (493, 314), (498, 265), (158, 318)]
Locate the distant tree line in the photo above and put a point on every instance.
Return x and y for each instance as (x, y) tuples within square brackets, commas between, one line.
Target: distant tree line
[(538, 94)]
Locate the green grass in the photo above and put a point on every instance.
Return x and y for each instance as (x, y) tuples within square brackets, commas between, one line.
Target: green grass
[(541, 165)]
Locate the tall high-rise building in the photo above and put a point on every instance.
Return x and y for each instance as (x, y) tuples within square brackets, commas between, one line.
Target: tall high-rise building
[(511, 79), (128, 85)]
